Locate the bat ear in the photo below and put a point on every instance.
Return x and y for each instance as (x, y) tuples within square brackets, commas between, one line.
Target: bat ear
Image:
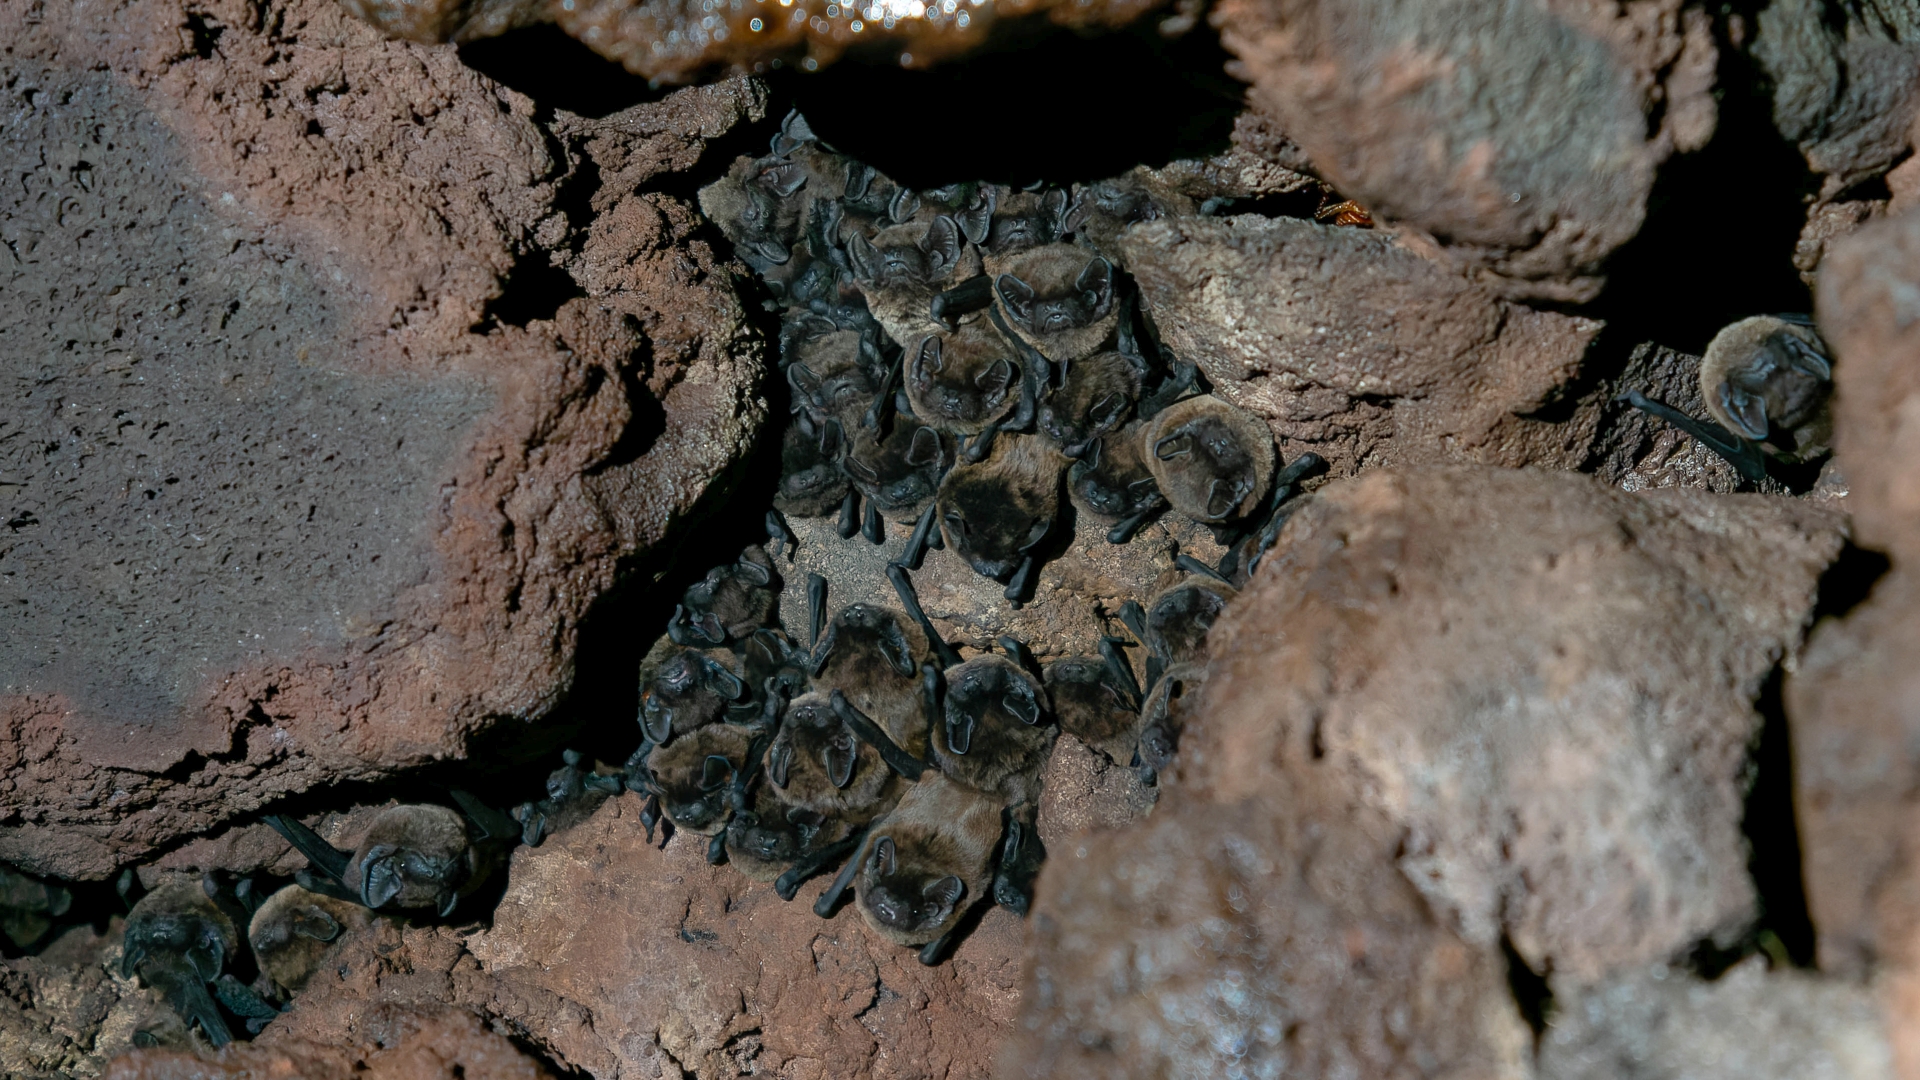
[(656, 720), (925, 448), (780, 763), (945, 892), (1020, 702), (927, 360), (861, 255), (903, 206), (1077, 213), (708, 625), (894, 646), (772, 251), (859, 178), (1017, 295), (1142, 488), (839, 757), (447, 899), (1053, 204), (978, 215), (1178, 444), (130, 960), (1805, 358), (1747, 411), (959, 730), (884, 859), (942, 244), (715, 772), (723, 682), (1097, 282), (379, 877), (752, 571), (830, 439), (804, 381), (1093, 453), (994, 381), (784, 179), (1107, 410), (1222, 497)]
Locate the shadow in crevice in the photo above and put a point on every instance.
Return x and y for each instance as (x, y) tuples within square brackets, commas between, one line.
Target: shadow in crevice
[(557, 72), (1849, 581), (1037, 102), (1783, 930), (533, 289), (1531, 994)]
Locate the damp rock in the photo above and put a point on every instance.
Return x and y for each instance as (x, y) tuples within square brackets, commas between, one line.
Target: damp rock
[(1408, 107), (1350, 343), (322, 456)]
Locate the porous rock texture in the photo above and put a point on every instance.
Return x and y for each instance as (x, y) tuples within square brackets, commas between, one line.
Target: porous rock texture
[(1524, 137), (1855, 702), (1367, 351), (314, 466), (1458, 712)]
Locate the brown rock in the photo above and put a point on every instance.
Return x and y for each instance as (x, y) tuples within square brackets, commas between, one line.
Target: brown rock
[(1568, 751), (674, 961), (436, 1045), (1869, 301), (1268, 937), (1844, 83), (1458, 710), (1354, 346), (1407, 106), (290, 502)]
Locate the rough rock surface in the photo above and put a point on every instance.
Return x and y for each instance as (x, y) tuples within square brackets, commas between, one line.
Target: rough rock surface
[(1658, 1023), (1846, 83), (306, 483), (396, 1045), (1869, 311), (1560, 772), (1362, 349), (1515, 134)]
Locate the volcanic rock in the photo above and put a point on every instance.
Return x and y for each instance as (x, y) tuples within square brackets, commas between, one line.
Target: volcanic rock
[(316, 467), (1458, 712), (1443, 117)]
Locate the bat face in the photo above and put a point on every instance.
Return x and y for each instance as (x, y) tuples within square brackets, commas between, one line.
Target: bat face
[(962, 382), (1163, 718), (1026, 220), (993, 737), (687, 690), (902, 471), (812, 484), (757, 206), (1768, 381), (771, 836), (1179, 619), (178, 922), (1212, 461), (1096, 398), (897, 258), (731, 601), (1090, 707), (817, 764), (1042, 299), (294, 930), (836, 376), (692, 775), (1112, 481), (912, 901), (413, 857), (994, 512)]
